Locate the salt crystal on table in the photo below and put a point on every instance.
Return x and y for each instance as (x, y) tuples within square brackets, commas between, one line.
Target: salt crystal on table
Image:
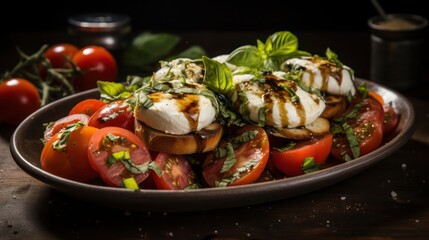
[(404, 166), (394, 194)]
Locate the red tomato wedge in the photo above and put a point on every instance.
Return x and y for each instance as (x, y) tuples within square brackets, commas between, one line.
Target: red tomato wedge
[(114, 114), (118, 154), (391, 119), (87, 107), (70, 161), (250, 160), (177, 172), (61, 123), (366, 124), (294, 161)]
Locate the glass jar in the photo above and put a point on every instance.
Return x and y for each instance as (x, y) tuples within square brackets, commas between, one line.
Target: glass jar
[(103, 29)]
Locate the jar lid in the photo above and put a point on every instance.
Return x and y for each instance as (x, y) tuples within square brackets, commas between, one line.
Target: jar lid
[(99, 22), (408, 27)]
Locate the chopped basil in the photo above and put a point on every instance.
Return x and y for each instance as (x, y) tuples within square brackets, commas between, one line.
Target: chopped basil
[(243, 138), (353, 114), (143, 100), (228, 117), (61, 143), (333, 57), (230, 159), (289, 146), (111, 137), (352, 139), (363, 89), (244, 108), (295, 75), (228, 150), (309, 165), (294, 97), (245, 168)]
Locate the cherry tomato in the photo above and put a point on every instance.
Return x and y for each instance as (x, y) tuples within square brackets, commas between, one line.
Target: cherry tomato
[(117, 114), (177, 173), (391, 119), (87, 107), (97, 64), (291, 162), (251, 159), (61, 123), (367, 127), (18, 99), (118, 154), (57, 54), (71, 162)]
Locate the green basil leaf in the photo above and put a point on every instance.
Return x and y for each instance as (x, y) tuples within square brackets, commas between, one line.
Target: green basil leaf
[(230, 159), (352, 140), (333, 57), (261, 45), (61, 143), (218, 77), (148, 48), (309, 165), (363, 89), (283, 43), (249, 56), (111, 91)]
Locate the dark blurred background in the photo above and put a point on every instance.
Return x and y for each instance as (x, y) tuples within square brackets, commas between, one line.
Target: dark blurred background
[(194, 15), (34, 23)]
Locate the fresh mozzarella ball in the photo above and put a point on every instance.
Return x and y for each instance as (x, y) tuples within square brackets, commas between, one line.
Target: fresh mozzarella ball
[(321, 74), (281, 109), (178, 113)]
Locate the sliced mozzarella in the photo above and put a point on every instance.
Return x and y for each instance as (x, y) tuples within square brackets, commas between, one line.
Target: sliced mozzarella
[(178, 113), (321, 74), (281, 109)]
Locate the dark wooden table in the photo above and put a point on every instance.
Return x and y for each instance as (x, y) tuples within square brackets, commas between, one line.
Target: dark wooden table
[(387, 201)]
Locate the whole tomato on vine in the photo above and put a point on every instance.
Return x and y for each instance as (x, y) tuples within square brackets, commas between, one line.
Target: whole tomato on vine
[(18, 99), (96, 63)]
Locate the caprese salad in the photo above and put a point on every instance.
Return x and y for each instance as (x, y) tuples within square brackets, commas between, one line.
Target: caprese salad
[(265, 111)]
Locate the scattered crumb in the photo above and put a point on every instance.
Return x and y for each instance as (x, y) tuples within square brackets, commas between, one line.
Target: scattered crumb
[(404, 166), (170, 234), (394, 194), (343, 198)]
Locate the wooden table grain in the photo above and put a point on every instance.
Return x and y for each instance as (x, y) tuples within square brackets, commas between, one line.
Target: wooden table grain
[(387, 201)]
